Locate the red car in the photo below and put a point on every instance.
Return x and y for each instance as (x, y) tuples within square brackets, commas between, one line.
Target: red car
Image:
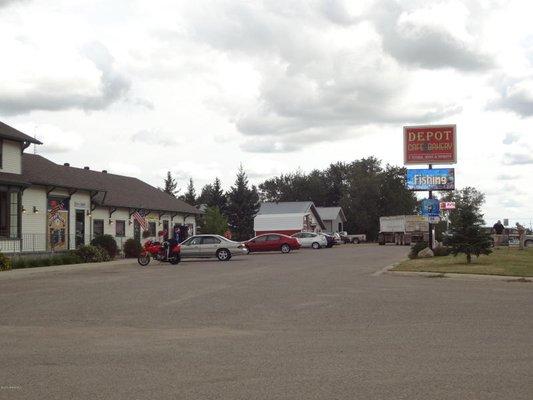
[(272, 242)]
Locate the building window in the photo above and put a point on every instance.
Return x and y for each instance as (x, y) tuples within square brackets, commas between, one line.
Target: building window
[(120, 227), (98, 227), (9, 214), (151, 228)]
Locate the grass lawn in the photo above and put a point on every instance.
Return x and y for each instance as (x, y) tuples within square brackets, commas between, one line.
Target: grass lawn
[(503, 261)]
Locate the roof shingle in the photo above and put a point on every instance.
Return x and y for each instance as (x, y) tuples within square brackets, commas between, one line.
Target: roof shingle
[(8, 132), (114, 190)]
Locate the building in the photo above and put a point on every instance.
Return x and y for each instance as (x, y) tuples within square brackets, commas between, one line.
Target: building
[(47, 207), (288, 218), (333, 218)]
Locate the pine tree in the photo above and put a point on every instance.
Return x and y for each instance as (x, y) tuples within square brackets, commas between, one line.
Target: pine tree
[(243, 204), (170, 185), (467, 235), (213, 196), (190, 196)]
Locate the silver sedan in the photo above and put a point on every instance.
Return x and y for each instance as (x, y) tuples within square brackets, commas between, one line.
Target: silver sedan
[(208, 246)]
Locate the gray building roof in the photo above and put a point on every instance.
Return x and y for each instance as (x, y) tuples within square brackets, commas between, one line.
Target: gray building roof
[(331, 213), (110, 190), (290, 207), (10, 133), (285, 207)]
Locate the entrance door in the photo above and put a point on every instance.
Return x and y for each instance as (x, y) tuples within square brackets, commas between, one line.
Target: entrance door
[(80, 228), (136, 230)]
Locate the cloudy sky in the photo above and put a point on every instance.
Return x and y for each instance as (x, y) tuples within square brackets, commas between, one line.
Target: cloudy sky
[(198, 87)]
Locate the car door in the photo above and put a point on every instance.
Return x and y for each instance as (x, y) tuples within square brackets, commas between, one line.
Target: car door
[(273, 242), (191, 247), (209, 246), (260, 243)]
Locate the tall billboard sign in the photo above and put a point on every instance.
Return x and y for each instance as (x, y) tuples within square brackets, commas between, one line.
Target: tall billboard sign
[(431, 179), (430, 144)]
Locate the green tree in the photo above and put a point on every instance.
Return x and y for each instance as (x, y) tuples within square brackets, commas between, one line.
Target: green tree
[(190, 195), (170, 185), (212, 195), (466, 221), (243, 204), (214, 222), (362, 188)]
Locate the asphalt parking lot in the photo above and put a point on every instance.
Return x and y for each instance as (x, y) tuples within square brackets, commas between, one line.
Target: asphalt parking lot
[(314, 324)]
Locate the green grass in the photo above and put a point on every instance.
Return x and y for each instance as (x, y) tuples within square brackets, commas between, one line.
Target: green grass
[(503, 261)]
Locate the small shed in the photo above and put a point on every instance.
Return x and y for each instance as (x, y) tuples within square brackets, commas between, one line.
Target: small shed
[(287, 218), (333, 218)]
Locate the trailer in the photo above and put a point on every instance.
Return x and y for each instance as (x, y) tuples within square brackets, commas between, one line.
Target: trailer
[(403, 229)]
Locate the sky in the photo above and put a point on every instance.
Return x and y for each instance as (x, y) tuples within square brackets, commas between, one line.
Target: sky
[(141, 87)]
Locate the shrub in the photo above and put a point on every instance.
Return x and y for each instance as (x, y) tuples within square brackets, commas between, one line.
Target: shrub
[(56, 260), (441, 251), (70, 258), (90, 254), (106, 242), (132, 248), (5, 263), (45, 262), (418, 246), (19, 263)]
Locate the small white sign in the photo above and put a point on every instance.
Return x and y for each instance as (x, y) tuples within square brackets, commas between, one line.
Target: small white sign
[(433, 220), (447, 205)]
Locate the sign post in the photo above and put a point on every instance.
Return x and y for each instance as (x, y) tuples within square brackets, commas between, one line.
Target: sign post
[(431, 144)]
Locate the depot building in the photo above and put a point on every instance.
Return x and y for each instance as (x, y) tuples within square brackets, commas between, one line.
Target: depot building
[(47, 207)]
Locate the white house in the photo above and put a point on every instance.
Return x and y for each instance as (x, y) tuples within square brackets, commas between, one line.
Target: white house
[(333, 217), (288, 218), (45, 206)]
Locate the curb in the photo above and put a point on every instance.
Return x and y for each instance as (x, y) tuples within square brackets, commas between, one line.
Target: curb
[(24, 272), (520, 279)]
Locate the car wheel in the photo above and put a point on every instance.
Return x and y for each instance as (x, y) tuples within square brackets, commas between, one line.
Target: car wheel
[(355, 241), (285, 248), (175, 260), (143, 259), (223, 255), (315, 245)]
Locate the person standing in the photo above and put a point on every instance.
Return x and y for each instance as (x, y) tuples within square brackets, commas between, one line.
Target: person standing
[(498, 231)]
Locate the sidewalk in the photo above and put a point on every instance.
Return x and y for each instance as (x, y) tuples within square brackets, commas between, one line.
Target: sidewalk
[(24, 272)]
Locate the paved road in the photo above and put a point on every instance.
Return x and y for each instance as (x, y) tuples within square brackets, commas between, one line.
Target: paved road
[(308, 325)]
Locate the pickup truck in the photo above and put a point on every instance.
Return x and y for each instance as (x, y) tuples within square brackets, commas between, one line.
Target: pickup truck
[(352, 238)]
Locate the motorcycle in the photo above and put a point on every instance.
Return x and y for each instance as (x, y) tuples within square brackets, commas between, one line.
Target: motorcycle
[(160, 252)]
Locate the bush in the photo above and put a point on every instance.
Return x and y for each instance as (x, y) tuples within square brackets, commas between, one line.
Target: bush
[(19, 263), (418, 246), (106, 242), (441, 251), (5, 263), (132, 248), (90, 254), (70, 258)]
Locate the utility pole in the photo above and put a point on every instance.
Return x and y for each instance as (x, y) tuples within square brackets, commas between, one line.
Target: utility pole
[(429, 223)]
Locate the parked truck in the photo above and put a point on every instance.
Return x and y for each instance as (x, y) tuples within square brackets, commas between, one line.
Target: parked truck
[(358, 238), (403, 229)]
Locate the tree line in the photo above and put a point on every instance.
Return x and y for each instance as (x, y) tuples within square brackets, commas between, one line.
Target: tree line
[(364, 189)]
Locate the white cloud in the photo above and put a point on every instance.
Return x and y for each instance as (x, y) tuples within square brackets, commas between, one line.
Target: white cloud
[(200, 87)]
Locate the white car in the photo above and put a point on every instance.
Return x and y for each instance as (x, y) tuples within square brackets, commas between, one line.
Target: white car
[(311, 239), (208, 246)]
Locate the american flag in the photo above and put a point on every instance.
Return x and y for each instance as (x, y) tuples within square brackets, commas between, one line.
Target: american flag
[(141, 220)]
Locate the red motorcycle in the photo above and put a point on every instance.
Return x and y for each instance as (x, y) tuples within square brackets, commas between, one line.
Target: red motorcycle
[(164, 252)]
